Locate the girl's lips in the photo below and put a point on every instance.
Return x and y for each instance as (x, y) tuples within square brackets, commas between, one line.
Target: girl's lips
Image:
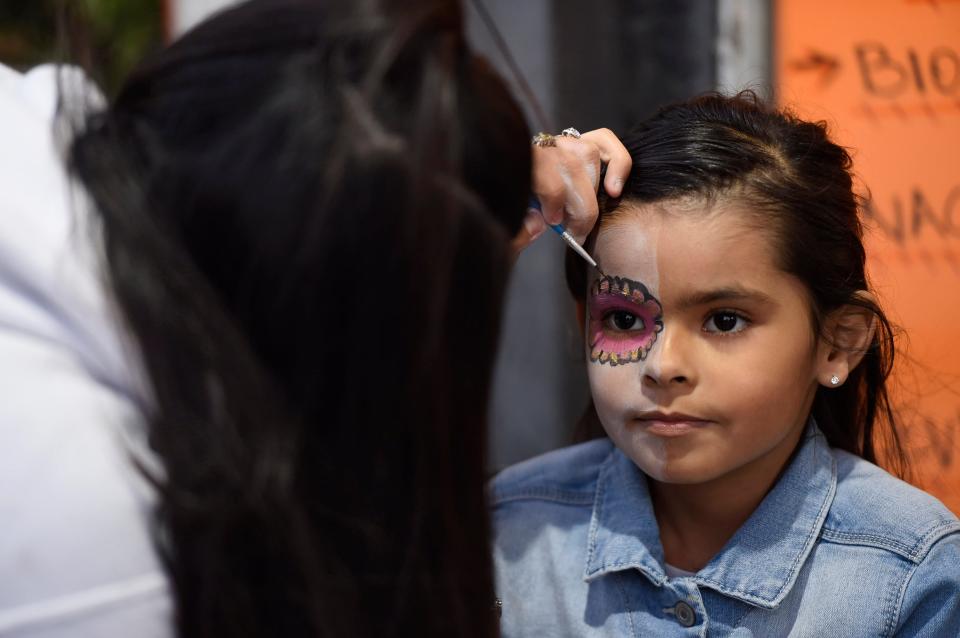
[(672, 424)]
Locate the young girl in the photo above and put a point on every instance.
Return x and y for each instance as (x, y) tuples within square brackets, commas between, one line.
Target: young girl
[(737, 362)]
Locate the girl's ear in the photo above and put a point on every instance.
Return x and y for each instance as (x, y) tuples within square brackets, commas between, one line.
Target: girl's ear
[(847, 333)]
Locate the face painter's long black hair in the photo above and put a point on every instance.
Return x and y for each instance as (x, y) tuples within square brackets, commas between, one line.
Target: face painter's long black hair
[(306, 209), (792, 175)]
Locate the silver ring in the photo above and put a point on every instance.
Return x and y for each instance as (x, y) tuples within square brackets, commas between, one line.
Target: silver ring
[(570, 132)]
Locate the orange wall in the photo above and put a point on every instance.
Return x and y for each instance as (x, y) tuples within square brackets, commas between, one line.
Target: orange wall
[(885, 74)]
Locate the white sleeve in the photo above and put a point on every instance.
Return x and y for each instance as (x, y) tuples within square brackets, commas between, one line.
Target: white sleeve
[(76, 556)]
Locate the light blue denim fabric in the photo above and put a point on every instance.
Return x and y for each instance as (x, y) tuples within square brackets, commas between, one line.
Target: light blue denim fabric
[(839, 548)]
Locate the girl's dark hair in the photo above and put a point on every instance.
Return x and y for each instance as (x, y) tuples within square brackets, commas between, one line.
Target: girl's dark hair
[(306, 209), (800, 183)]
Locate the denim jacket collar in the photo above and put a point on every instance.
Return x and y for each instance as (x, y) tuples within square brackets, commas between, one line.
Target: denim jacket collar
[(759, 565)]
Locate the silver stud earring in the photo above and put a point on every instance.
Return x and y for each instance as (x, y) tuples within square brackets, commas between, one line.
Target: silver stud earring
[(834, 380)]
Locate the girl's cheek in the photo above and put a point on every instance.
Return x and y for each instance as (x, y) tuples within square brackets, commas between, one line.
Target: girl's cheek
[(614, 389)]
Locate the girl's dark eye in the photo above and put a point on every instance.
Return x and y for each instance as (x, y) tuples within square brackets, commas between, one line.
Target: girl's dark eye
[(725, 322), (622, 320)]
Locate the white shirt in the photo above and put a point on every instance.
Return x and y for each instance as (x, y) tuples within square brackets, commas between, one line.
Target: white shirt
[(676, 572), (76, 557)]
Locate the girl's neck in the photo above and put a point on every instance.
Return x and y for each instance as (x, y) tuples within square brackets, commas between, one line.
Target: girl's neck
[(697, 520)]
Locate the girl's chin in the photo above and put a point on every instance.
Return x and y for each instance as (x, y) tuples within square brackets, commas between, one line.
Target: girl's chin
[(685, 470), (672, 477)]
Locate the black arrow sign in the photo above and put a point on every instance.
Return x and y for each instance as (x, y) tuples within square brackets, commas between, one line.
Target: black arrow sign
[(827, 65)]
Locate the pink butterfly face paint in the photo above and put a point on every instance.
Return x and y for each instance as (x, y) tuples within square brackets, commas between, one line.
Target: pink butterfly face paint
[(625, 320)]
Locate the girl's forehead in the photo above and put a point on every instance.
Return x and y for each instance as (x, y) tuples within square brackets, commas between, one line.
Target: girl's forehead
[(631, 232), (683, 240)]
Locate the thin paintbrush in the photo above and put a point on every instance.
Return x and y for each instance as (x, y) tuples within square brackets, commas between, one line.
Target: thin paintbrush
[(566, 236)]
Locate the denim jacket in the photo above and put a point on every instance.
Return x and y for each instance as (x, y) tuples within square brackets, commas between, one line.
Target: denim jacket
[(838, 548)]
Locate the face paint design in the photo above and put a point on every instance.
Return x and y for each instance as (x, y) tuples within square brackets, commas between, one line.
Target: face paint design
[(624, 321)]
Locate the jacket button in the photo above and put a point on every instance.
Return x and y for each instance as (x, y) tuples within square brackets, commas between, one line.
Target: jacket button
[(685, 614)]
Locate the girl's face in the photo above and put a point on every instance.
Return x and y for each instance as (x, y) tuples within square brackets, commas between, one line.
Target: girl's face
[(701, 356)]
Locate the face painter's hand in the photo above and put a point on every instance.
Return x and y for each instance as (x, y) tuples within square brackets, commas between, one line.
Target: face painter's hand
[(566, 178)]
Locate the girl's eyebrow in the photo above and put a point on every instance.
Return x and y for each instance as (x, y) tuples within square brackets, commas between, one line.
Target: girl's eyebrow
[(727, 293)]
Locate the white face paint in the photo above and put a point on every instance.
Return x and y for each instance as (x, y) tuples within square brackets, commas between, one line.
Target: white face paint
[(728, 382), (619, 380)]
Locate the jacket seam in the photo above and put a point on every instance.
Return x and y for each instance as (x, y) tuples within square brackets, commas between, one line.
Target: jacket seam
[(745, 596), (897, 607), (599, 497), (934, 536), (598, 504), (620, 566), (626, 603), (868, 540), (913, 552), (555, 496), (702, 609)]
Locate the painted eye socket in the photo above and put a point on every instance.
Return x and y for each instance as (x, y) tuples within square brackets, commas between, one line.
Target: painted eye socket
[(725, 322), (623, 320)]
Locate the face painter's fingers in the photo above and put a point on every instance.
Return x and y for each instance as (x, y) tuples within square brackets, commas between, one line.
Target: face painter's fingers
[(615, 155), (580, 171), (548, 183), (565, 181), (582, 158)]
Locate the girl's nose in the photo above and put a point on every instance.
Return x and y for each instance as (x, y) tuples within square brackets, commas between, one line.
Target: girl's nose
[(669, 363)]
